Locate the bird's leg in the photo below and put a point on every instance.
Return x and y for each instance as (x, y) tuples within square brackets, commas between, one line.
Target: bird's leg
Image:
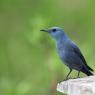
[(78, 74), (68, 74)]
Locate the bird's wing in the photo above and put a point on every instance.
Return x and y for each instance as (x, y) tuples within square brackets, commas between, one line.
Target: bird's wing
[(78, 52)]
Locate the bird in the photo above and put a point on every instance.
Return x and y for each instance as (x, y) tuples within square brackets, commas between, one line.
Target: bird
[(68, 52)]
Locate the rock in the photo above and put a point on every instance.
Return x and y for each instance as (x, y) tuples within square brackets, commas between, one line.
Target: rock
[(80, 86)]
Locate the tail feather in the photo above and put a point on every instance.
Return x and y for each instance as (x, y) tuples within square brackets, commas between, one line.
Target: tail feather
[(86, 71), (90, 68)]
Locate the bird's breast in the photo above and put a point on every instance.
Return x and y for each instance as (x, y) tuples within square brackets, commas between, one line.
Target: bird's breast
[(59, 47), (61, 52)]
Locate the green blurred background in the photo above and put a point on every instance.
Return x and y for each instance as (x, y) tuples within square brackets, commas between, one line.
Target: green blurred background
[(29, 64)]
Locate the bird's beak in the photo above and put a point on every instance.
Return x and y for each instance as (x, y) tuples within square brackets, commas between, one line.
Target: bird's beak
[(44, 30)]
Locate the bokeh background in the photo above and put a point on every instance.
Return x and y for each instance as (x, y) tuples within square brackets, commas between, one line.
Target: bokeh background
[(29, 64)]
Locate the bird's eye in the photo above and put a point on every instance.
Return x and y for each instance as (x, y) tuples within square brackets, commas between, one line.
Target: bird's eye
[(54, 30)]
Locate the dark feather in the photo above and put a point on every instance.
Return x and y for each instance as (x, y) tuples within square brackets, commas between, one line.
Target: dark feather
[(78, 52)]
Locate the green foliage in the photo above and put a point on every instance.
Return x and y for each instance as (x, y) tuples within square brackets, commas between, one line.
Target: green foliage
[(29, 64)]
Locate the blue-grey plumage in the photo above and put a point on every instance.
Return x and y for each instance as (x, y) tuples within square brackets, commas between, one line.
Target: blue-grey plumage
[(68, 51)]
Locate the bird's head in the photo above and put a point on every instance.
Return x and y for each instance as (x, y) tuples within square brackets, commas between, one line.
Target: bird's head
[(55, 32)]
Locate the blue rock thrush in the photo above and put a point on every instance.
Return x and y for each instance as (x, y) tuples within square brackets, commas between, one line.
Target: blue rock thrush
[(68, 51)]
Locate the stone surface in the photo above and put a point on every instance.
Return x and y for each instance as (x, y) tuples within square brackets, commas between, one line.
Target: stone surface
[(80, 86)]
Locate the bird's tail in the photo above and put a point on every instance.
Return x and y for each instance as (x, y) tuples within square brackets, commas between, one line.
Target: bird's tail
[(90, 68), (86, 71)]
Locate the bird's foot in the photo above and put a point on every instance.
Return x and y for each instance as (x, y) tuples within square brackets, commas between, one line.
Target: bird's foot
[(78, 77), (71, 78), (75, 77), (67, 79)]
